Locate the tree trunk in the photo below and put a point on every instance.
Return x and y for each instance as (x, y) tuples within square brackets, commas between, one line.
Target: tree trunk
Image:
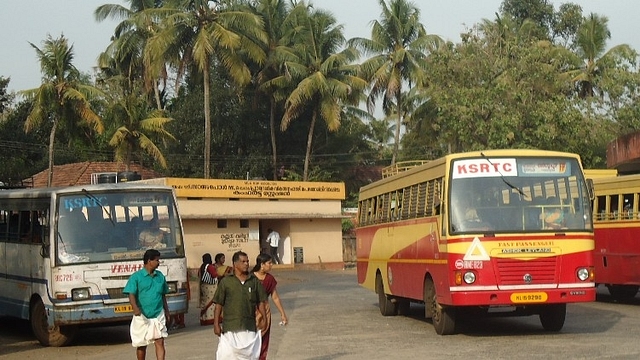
[(207, 124), (156, 93), (307, 157), (272, 125), (52, 137)]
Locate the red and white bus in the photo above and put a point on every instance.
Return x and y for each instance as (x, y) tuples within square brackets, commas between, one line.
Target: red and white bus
[(67, 253), (506, 231), (617, 234)]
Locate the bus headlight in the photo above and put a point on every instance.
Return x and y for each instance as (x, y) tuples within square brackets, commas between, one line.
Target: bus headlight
[(173, 287), (469, 277), (583, 274), (80, 294)]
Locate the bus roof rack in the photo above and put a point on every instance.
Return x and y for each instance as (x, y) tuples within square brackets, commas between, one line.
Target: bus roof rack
[(401, 166)]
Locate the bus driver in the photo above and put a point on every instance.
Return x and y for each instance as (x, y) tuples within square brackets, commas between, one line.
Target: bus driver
[(153, 236)]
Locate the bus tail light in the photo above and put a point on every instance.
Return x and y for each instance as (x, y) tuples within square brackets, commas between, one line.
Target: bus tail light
[(80, 294)]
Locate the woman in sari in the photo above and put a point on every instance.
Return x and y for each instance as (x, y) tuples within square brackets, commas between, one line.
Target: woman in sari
[(208, 284), (264, 263), (221, 268)]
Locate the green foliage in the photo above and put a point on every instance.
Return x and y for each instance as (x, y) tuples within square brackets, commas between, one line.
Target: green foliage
[(278, 93), (347, 226), (13, 140), (62, 98), (487, 98), (540, 12), (400, 45), (5, 97)]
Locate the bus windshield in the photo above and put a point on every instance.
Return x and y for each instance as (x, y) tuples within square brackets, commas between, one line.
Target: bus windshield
[(518, 194), (106, 226)]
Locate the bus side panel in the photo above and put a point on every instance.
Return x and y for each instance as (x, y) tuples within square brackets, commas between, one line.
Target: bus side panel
[(617, 254), (367, 263), (19, 285), (416, 254), (410, 248)]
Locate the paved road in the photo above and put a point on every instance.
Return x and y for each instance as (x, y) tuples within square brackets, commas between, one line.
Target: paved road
[(331, 317)]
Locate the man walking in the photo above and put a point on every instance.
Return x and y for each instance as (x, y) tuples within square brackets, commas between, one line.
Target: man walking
[(238, 295), (147, 288), (273, 239)]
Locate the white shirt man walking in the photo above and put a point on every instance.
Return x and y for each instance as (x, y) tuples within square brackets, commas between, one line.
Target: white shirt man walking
[(273, 239)]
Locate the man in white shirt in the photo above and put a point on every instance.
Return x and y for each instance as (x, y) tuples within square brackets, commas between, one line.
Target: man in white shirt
[(273, 239)]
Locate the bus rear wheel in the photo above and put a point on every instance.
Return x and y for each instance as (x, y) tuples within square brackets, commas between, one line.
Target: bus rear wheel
[(552, 316), (442, 317), (623, 292), (49, 335), (387, 307)]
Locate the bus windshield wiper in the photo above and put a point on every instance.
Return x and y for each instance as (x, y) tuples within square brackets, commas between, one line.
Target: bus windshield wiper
[(94, 198), (503, 178)]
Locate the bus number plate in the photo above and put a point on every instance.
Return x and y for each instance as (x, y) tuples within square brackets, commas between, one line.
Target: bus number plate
[(123, 309), (529, 297)]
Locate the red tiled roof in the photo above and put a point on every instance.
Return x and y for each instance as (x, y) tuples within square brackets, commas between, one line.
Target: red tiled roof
[(80, 173)]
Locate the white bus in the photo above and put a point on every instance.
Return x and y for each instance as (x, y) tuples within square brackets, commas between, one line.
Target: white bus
[(66, 254)]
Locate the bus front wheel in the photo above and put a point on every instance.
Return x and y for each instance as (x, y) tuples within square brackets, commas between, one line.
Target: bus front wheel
[(48, 335), (387, 307), (442, 317), (552, 316)]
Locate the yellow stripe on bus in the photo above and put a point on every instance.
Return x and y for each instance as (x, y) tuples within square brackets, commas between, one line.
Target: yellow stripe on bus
[(388, 241), (526, 249)]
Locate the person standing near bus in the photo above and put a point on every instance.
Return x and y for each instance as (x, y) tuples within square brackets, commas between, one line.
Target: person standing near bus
[(273, 239), (147, 289)]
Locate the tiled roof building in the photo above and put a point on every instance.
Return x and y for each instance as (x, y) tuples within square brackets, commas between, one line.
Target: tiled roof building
[(80, 173)]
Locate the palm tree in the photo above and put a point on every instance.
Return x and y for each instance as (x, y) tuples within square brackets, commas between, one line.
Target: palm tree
[(325, 79), (137, 125), (201, 30), (125, 54), (399, 44), (381, 133), (280, 32), (61, 99), (591, 43)]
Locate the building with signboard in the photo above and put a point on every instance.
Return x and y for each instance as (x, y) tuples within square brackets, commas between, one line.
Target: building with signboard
[(224, 216)]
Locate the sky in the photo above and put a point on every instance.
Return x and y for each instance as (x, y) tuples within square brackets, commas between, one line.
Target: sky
[(30, 21)]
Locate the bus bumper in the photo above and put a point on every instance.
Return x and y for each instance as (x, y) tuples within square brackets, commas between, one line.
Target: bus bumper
[(522, 297), (70, 313)]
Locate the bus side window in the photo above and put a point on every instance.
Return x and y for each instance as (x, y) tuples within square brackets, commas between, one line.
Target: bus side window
[(628, 205), (601, 207), (14, 227)]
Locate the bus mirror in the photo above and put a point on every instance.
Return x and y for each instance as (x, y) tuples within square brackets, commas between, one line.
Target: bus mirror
[(44, 250), (590, 189)]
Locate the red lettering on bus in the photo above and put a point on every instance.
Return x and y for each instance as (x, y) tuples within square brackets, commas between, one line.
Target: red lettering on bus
[(120, 268)]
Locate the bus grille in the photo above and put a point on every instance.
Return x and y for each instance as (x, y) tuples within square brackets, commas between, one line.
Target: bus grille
[(116, 293), (512, 271)]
